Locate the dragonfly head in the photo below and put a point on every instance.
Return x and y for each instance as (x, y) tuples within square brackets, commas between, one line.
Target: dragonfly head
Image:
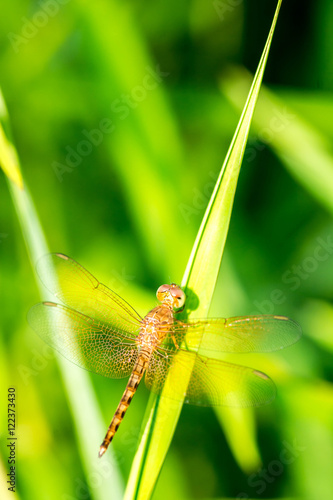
[(172, 295)]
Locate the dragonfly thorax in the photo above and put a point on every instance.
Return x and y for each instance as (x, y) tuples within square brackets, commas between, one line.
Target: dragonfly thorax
[(171, 295), (155, 326)]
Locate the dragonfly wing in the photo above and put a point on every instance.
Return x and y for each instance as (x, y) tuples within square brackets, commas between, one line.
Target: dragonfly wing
[(157, 371), (80, 290), (240, 334), (211, 383), (218, 383), (88, 343)]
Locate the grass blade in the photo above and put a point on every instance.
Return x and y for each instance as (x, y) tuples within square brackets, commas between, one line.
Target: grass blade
[(303, 149), (81, 398), (200, 278), (8, 157)]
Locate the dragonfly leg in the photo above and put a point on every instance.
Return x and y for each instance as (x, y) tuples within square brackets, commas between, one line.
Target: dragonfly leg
[(182, 323), (174, 341)]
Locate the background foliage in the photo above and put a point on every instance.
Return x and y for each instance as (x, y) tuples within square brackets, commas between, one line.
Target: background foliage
[(127, 204)]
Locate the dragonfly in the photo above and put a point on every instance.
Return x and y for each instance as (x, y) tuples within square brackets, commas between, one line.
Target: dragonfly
[(99, 331)]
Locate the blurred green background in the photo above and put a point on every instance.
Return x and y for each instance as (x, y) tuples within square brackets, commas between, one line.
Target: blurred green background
[(122, 113)]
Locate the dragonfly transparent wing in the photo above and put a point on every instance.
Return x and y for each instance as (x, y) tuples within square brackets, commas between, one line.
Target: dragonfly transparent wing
[(87, 342), (239, 334), (80, 290), (212, 382)]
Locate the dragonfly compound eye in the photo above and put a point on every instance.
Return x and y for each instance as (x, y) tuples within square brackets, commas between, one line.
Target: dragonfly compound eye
[(162, 291), (178, 296)]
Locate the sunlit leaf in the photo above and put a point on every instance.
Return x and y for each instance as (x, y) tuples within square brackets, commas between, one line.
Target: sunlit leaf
[(8, 157), (200, 279)]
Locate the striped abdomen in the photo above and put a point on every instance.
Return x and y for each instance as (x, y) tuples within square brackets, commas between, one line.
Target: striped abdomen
[(135, 378)]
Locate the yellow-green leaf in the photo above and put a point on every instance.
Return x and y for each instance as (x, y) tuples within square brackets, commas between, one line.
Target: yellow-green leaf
[(200, 278), (82, 400), (8, 157)]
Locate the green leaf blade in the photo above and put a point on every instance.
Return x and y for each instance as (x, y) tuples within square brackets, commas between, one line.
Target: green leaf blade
[(8, 156), (82, 400), (200, 277), (303, 150)]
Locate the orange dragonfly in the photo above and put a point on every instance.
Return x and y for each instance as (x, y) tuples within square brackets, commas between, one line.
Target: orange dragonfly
[(99, 331)]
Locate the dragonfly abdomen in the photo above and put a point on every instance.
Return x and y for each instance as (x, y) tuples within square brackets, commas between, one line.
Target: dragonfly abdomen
[(132, 385)]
